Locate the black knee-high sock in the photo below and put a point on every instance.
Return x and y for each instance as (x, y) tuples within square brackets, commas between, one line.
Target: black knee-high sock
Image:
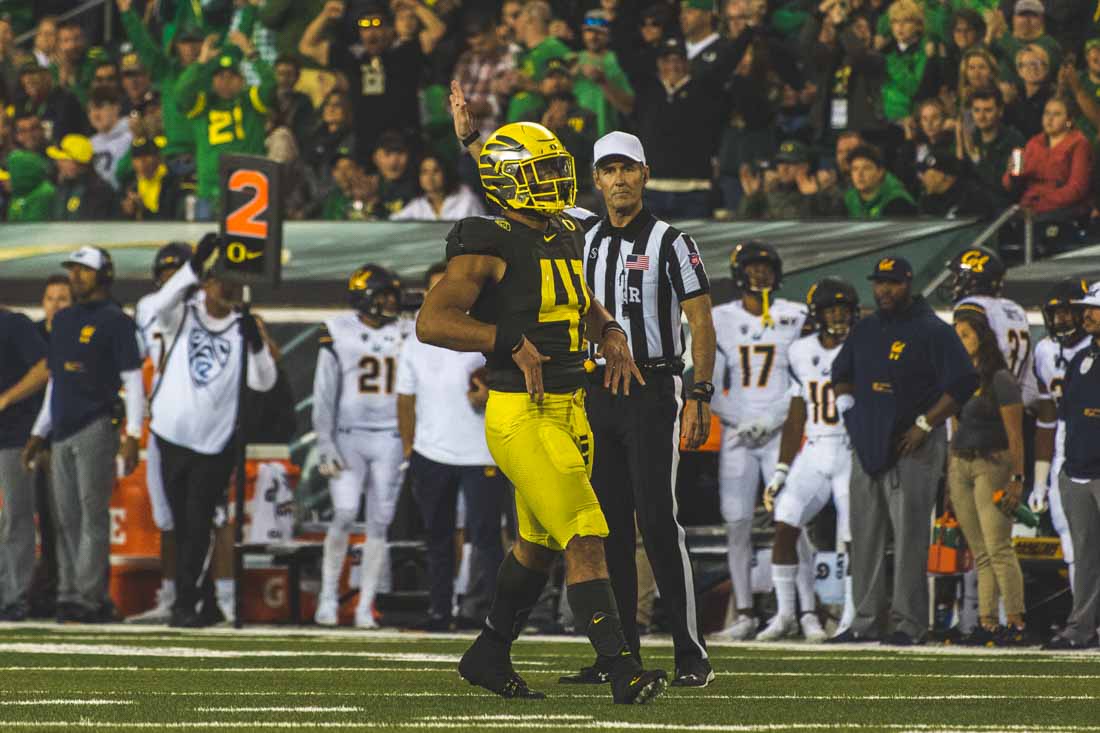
[(518, 590), (597, 614)]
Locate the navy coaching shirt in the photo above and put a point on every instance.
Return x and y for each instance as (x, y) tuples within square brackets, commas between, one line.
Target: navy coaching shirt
[(898, 365), (1080, 408), (90, 345), (21, 347)]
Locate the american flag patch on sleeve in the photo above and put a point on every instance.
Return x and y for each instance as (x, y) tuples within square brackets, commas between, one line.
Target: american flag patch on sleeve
[(637, 262)]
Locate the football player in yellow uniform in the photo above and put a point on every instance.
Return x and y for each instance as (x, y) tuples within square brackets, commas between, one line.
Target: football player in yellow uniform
[(514, 289)]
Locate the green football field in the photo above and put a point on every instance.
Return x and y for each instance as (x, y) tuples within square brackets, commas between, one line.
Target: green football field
[(119, 678)]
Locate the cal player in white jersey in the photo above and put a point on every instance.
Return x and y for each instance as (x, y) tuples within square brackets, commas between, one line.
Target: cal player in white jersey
[(822, 467), (978, 275), (355, 419), (1066, 336), (169, 258), (754, 335)]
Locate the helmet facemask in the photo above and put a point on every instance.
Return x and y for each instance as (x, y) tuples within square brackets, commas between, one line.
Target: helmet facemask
[(524, 167)]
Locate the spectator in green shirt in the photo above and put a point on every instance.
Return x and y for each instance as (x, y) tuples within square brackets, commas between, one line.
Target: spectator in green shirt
[(905, 60), (875, 193), (226, 116), (30, 191), (165, 70), (602, 86), (348, 199), (81, 194), (534, 33)]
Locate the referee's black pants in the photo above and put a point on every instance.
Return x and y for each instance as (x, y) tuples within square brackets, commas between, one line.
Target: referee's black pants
[(634, 471), (196, 484)]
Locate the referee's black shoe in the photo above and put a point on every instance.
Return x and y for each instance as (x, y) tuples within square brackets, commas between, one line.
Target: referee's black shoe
[(185, 619), (598, 674), (639, 687), (696, 673), (488, 664)]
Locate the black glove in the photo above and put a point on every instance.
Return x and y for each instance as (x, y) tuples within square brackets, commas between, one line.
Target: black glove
[(250, 332), (207, 245)]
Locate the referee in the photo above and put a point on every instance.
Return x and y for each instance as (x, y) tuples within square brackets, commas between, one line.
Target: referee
[(646, 271)]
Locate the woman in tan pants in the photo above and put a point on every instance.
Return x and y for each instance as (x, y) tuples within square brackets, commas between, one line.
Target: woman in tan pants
[(987, 455)]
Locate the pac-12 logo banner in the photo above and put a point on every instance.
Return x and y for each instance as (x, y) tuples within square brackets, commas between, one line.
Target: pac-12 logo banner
[(251, 220)]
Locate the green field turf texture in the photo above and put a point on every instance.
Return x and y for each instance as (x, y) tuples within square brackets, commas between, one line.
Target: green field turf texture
[(104, 678)]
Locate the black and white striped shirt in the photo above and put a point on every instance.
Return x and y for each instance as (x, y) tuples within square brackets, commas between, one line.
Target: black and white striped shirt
[(641, 273)]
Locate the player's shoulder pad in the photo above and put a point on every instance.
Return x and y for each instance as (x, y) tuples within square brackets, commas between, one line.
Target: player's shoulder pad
[(790, 308), (479, 235), (973, 302), (585, 218), (1046, 344), (803, 344)]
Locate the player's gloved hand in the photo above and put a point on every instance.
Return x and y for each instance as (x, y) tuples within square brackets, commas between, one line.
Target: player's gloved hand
[(1038, 499), (775, 485), (205, 254), (329, 461), (250, 331)]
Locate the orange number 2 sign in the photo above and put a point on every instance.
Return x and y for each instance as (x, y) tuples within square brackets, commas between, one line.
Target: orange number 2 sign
[(243, 222)]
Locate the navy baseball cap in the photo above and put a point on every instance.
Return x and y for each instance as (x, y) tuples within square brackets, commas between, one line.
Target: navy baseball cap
[(894, 269)]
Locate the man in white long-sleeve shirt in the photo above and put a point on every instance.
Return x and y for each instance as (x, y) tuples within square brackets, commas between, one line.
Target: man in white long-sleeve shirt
[(194, 407), (355, 419), (94, 350)]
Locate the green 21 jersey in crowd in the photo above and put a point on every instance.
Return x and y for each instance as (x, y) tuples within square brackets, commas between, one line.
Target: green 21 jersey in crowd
[(224, 125)]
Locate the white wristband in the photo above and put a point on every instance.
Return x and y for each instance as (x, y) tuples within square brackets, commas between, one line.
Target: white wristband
[(783, 468), (922, 423), (845, 402)]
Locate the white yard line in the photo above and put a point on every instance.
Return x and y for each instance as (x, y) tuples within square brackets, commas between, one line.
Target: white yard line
[(184, 652), (283, 709), (549, 724), (70, 701), (280, 634)]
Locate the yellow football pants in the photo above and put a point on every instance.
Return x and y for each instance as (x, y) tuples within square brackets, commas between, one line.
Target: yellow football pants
[(546, 452)]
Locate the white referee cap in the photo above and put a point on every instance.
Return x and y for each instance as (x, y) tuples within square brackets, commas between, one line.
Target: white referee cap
[(1092, 297), (618, 143)]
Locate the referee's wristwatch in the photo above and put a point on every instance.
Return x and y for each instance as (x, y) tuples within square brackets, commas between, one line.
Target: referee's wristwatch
[(923, 424)]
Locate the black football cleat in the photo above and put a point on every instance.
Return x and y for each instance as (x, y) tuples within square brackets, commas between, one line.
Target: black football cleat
[(487, 664), (598, 674), (639, 688)]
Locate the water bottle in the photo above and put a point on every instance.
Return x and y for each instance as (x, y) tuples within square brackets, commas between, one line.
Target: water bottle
[(1023, 515)]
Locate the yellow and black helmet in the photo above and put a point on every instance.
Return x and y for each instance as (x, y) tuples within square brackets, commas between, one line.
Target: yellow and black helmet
[(523, 166)]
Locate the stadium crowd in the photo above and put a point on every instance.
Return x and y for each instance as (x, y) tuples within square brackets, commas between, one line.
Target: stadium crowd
[(748, 109)]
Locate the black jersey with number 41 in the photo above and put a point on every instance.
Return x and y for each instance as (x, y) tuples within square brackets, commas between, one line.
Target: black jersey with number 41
[(542, 293)]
